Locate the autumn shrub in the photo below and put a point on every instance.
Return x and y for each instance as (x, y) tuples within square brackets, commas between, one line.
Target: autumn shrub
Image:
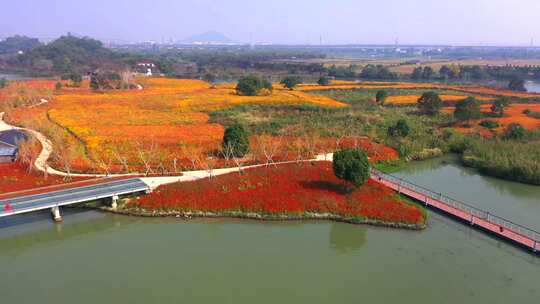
[(381, 96), (490, 124), (430, 103), (531, 113), (291, 82), (400, 129), (514, 131), (467, 109), (252, 86), (323, 81)]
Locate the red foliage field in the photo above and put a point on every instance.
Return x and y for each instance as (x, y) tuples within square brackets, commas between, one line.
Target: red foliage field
[(15, 177), (291, 190)]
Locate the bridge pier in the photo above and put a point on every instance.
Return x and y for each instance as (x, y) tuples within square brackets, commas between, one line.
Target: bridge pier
[(114, 202), (56, 214)]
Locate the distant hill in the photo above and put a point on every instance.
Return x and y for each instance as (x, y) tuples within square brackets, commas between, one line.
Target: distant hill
[(15, 44), (211, 37), (67, 54)]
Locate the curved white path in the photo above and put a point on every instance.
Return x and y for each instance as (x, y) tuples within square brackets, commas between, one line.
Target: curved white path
[(41, 161), (154, 182)]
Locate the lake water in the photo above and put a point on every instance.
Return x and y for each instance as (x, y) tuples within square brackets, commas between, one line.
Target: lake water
[(11, 76), (533, 86), (101, 258)]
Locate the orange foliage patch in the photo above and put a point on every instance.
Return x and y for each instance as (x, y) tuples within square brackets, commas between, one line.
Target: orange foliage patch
[(513, 114), (413, 99), (23, 93), (165, 116)]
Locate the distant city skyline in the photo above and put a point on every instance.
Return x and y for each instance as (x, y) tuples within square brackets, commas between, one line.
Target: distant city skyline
[(458, 22)]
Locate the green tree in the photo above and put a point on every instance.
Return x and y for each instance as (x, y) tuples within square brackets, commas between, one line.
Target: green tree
[(499, 105), (400, 129), (210, 78), (430, 103), (467, 109), (236, 140), (447, 72), (14, 44), (417, 73), (517, 84), (94, 82), (323, 81), (58, 86), (514, 131), (76, 79), (381, 97), (427, 73), (291, 82), (3, 83), (490, 124), (252, 85), (351, 166)]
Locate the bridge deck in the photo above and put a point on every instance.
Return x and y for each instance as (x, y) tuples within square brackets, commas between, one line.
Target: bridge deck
[(48, 199), (519, 234)]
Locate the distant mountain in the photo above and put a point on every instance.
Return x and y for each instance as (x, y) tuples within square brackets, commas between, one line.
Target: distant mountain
[(211, 37)]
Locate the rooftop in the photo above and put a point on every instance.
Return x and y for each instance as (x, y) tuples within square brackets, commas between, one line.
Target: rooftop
[(7, 149), (13, 137)]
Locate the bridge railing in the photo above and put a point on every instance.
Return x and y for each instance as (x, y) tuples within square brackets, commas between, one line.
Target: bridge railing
[(474, 211)]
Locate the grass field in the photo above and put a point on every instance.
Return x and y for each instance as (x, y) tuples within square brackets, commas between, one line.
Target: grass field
[(375, 85), (437, 64)]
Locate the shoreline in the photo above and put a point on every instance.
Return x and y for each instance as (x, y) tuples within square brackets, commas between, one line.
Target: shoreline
[(308, 216)]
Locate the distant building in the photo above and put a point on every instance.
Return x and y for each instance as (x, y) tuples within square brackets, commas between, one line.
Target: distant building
[(146, 67), (9, 145)]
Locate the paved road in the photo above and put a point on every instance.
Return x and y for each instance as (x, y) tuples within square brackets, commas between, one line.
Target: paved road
[(47, 200)]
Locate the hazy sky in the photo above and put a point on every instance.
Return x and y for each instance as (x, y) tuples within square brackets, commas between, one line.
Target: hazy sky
[(505, 22)]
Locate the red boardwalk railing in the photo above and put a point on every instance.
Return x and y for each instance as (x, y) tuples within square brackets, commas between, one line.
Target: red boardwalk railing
[(519, 234)]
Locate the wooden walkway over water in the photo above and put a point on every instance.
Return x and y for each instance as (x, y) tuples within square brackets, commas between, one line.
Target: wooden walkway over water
[(518, 234)]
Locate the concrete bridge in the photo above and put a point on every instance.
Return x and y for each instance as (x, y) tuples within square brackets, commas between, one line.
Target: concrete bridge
[(69, 194)]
